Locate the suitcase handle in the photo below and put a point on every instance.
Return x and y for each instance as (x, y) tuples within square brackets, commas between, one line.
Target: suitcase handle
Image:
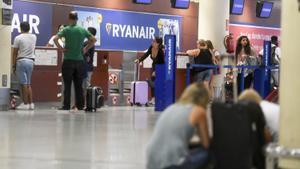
[(136, 71)]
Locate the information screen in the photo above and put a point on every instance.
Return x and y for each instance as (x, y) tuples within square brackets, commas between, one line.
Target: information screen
[(7, 2), (6, 16), (237, 7), (182, 4), (143, 1), (266, 9)]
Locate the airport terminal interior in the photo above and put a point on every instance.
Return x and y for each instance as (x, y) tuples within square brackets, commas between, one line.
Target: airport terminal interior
[(149, 84)]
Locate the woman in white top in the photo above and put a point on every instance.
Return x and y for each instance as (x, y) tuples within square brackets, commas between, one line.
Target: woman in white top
[(60, 41), (215, 82), (246, 56), (271, 111)]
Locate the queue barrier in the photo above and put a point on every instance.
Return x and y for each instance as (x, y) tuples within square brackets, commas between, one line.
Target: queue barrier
[(261, 72)]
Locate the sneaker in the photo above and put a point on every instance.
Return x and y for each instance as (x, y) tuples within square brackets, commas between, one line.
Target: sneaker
[(31, 106), (23, 106), (152, 101)]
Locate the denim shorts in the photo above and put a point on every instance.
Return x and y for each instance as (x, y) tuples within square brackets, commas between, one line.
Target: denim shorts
[(203, 76), (24, 70)]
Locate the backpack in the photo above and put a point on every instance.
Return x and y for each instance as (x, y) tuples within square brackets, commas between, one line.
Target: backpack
[(274, 61)]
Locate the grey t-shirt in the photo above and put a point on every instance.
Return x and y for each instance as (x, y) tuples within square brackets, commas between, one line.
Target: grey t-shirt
[(25, 42), (172, 134)]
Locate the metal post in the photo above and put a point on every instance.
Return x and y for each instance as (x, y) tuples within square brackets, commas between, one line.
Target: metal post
[(242, 80), (188, 74)]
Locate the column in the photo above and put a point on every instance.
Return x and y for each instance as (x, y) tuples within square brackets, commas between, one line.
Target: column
[(212, 21), (289, 135), (5, 62)]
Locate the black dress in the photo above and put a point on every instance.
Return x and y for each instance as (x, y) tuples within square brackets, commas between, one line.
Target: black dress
[(159, 59)]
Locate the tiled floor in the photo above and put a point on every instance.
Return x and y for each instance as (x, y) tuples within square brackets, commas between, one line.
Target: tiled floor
[(113, 138)]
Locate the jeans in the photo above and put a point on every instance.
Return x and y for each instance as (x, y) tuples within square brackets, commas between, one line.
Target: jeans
[(275, 77), (247, 81), (197, 159), (151, 84), (73, 71)]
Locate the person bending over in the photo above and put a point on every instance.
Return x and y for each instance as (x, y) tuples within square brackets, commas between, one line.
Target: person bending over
[(271, 111), (168, 146), (202, 55), (262, 134), (156, 53)]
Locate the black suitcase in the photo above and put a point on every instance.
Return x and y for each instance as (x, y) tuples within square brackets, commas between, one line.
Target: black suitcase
[(232, 136), (94, 99)]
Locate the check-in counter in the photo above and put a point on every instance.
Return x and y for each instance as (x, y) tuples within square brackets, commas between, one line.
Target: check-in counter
[(46, 82)]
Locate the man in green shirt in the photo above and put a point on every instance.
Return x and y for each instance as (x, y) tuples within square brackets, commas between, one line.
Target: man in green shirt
[(73, 63)]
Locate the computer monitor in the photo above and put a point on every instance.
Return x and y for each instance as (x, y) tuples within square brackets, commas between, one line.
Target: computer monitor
[(142, 1), (182, 4), (264, 9), (237, 7)]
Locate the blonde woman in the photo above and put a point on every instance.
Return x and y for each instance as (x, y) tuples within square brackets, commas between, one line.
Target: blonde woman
[(202, 55), (261, 134), (168, 147)]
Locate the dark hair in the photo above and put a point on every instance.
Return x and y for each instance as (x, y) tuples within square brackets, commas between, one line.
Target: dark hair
[(159, 41), (209, 45), (92, 30), (73, 15), (25, 27), (239, 47), (58, 27), (274, 40)]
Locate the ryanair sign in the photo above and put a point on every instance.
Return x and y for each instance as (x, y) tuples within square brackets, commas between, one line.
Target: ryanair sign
[(116, 29), (124, 30)]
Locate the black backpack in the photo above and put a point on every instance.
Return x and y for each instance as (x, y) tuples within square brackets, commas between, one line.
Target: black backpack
[(274, 61)]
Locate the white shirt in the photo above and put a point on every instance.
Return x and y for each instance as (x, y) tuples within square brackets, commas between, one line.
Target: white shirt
[(51, 42), (277, 52), (271, 112), (25, 43)]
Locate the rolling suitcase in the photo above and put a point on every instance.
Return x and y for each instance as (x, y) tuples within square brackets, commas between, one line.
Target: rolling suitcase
[(231, 143), (139, 93), (94, 99), (138, 90)]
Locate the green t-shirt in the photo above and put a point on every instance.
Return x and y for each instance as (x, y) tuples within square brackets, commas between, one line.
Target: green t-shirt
[(74, 38)]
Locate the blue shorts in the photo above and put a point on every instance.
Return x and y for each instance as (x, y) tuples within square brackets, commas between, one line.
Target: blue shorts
[(24, 70), (205, 75)]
